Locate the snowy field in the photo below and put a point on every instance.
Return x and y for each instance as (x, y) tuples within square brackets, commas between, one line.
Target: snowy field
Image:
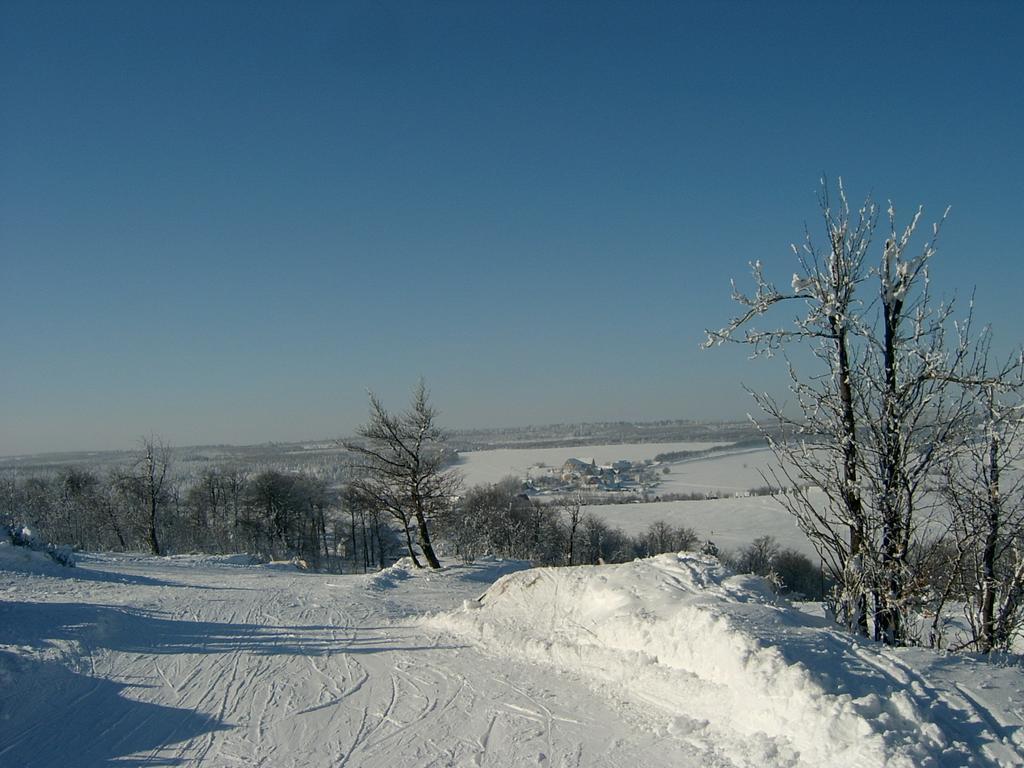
[(722, 474), (482, 467), (204, 661), (730, 523)]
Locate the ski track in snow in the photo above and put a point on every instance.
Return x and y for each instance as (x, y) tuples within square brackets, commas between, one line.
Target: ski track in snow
[(133, 661)]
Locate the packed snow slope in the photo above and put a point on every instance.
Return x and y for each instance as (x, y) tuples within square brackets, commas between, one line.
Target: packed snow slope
[(198, 661), (193, 661)]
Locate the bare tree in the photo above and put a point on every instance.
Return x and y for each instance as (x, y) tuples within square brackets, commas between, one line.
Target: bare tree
[(206, 503), (916, 415), (985, 490), (820, 447), (400, 465), (150, 471), (78, 505), (877, 414), (662, 537), (759, 556), (572, 507), (109, 512)]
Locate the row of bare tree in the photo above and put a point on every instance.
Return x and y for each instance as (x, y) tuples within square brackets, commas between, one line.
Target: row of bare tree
[(501, 520), (141, 507)]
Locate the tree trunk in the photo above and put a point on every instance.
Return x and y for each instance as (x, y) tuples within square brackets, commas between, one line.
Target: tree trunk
[(851, 490), (425, 545), (117, 527), (988, 559), (408, 543), (355, 547), (887, 613), (366, 549), (154, 542)]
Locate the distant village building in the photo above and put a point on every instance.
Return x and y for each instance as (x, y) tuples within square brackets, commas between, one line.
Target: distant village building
[(574, 469), (585, 473)]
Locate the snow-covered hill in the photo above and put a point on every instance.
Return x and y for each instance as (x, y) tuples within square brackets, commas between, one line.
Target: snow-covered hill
[(199, 661), (740, 668)]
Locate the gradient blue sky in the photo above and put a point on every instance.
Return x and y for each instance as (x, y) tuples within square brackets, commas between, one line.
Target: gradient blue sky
[(223, 222)]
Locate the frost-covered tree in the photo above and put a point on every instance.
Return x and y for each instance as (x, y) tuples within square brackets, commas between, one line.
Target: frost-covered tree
[(287, 516), (984, 487), (759, 556), (500, 519), (876, 410), (820, 446), (916, 416), (661, 537), (151, 474), (364, 534), (206, 502), (791, 571)]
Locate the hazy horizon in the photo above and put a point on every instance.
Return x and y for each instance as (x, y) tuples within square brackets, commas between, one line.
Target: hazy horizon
[(223, 223), (331, 438)]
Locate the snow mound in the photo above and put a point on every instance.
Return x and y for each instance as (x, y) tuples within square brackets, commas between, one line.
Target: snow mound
[(726, 658), (292, 564), (484, 570), (22, 536), (46, 561), (389, 577)]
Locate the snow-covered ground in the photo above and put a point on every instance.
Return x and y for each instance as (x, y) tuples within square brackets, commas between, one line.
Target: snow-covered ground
[(205, 661), (727, 473), (131, 660), (730, 523), (744, 675)]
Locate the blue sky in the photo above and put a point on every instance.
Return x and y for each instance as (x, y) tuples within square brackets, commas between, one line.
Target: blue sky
[(224, 222)]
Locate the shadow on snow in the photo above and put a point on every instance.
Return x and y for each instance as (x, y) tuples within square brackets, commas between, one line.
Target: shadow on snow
[(53, 716), (151, 632), (90, 572)]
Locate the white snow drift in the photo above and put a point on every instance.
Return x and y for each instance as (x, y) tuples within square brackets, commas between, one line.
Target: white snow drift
[(738, 667)]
